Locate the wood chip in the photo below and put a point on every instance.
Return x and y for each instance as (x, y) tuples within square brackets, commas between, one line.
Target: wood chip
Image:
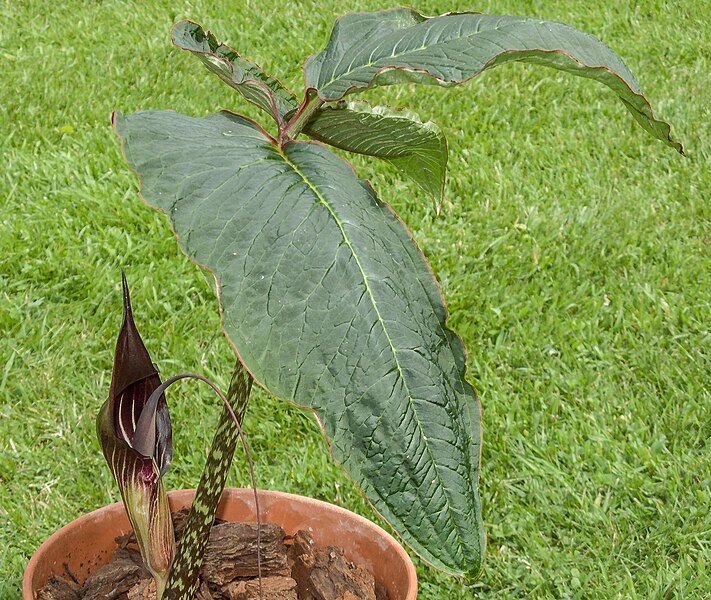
[(274, 588), (180, 520), (232, 553), (204, 593), (324, 573), (143, 590), (58, 588), (115, 578)]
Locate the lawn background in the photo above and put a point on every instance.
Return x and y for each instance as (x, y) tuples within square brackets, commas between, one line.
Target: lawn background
[(573, 251)]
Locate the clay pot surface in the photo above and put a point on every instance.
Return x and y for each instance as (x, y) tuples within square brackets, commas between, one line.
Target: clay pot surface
[(87, 543)]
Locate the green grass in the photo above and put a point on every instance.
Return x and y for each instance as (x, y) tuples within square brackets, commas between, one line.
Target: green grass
[(573, 250)]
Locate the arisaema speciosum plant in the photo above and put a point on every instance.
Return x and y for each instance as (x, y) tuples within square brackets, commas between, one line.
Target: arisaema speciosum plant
[(325, 294)]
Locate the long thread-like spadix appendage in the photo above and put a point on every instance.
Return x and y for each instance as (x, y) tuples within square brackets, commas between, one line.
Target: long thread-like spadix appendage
[(183, 579)]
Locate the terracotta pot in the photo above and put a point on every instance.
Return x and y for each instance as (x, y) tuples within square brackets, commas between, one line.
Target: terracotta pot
[(87, 543)]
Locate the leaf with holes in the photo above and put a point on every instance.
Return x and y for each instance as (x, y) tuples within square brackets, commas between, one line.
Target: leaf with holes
[(400, 45), (417, 149), (247, 78), (329, 303)]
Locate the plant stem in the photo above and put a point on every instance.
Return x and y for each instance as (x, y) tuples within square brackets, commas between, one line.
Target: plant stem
[(183, 578), (307, 109)]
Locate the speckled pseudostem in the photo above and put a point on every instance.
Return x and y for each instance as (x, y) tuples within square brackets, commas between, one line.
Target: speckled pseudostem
[(183, 579)]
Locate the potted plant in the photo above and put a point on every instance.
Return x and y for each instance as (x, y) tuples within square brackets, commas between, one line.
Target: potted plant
[(324, 295)]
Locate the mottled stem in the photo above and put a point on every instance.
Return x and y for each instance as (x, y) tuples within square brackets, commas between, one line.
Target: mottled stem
[(183, 579)]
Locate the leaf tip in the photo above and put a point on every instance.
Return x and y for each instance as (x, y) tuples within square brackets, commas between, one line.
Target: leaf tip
[(178, 28), (116, 118)]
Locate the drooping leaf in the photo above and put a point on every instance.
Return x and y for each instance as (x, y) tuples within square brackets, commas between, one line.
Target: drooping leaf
[(399, 137), (243, 75), (329, 303), (139, 458), (400, 45)]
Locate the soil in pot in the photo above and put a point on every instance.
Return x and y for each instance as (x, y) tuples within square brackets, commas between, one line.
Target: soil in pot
[(293, 568)]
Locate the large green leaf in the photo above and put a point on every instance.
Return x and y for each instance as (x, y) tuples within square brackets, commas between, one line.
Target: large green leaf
[(243, 75), (329, 303), (417, 149), (382, 48)]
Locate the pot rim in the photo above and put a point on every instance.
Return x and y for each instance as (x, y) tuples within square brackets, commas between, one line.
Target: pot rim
[(29, 593)]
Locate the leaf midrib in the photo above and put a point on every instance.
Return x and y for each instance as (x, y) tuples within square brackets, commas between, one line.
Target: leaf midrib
[(322, 200), (370, 64)]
